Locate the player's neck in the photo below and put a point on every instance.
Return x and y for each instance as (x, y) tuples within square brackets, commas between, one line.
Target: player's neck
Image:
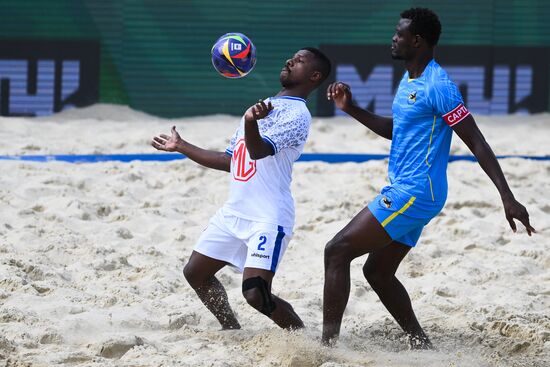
[(416, 66), (293, 92)]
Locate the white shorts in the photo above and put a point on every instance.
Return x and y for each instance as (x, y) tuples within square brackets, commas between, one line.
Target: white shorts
[(244, 243)]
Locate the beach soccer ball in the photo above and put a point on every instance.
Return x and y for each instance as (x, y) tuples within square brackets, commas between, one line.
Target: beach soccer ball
[(233, 55)]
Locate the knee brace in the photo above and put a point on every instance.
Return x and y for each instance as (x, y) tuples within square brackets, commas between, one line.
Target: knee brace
[(268, 306)]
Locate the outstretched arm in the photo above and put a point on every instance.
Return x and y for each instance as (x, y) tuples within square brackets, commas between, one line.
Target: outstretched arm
[(216, 160), (341, 94), (468, 131)]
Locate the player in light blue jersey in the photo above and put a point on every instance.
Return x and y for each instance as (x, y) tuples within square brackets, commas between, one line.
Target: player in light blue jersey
[(426, 109)]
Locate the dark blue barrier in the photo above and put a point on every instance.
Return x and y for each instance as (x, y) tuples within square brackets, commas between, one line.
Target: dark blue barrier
[(163, 157)]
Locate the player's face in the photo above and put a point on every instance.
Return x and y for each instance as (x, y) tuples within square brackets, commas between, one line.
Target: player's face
[(402, 41), (298, 69)]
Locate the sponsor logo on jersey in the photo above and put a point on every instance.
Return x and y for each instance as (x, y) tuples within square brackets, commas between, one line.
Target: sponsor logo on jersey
[(261, 256), (242, 167), (458, 114)]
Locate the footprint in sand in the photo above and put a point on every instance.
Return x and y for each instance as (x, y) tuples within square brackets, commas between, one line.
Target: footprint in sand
[(124, 233), (179, 321), (445, 292), (51, 337), (116, 348), (6, 347)]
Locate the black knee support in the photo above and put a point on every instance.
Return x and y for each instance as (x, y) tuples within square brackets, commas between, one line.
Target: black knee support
[(268, 306)]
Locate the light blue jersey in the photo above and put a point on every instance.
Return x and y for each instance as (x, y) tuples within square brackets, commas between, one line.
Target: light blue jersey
[(421, 138), (424, 109)]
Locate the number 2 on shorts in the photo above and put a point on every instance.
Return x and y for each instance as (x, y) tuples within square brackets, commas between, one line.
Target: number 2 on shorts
[(263, 240)]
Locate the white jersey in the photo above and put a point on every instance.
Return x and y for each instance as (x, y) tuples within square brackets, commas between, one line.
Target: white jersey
[(260, 189)]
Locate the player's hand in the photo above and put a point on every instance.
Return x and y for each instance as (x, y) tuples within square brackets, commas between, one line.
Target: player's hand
[(258, 111), (514, 210), (340, 93), (167, 143)]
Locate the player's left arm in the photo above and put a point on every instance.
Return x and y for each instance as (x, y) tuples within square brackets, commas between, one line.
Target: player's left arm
[(257, 147), (470, 134)]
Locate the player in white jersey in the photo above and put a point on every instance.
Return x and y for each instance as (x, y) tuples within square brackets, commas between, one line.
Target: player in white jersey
[(252, 229)]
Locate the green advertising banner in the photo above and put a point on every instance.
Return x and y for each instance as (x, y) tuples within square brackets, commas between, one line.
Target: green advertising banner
[(155, 55)]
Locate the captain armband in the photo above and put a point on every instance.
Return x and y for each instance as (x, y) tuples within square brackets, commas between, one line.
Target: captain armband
[(456, 115)]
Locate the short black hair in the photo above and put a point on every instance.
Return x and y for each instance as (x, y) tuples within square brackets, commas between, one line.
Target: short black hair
[(425, 23), (322, 62)]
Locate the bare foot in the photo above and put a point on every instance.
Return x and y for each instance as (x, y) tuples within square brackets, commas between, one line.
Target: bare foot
[(231, 325), (418, 342), (329, 342)]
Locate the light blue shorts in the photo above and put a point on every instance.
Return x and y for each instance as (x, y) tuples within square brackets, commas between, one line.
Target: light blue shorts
[(403, 216)]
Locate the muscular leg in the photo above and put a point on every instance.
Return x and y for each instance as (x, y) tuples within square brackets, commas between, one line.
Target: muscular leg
[(360, 236), (380, 271), (283, 314), (199, 272)]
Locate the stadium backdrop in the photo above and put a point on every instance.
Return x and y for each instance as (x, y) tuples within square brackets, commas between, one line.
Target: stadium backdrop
[(154, 55)]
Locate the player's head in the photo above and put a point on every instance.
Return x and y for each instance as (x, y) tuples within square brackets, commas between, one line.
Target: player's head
[(418, 28), (308, 67)]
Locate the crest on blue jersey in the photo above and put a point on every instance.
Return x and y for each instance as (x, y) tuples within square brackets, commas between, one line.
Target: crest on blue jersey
[(412, 97)]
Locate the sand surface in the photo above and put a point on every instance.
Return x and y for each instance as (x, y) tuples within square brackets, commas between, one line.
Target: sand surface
[(91, 254)]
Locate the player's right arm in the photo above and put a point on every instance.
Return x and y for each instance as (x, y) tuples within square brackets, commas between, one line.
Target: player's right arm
[(341, 94), (208, 158)]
